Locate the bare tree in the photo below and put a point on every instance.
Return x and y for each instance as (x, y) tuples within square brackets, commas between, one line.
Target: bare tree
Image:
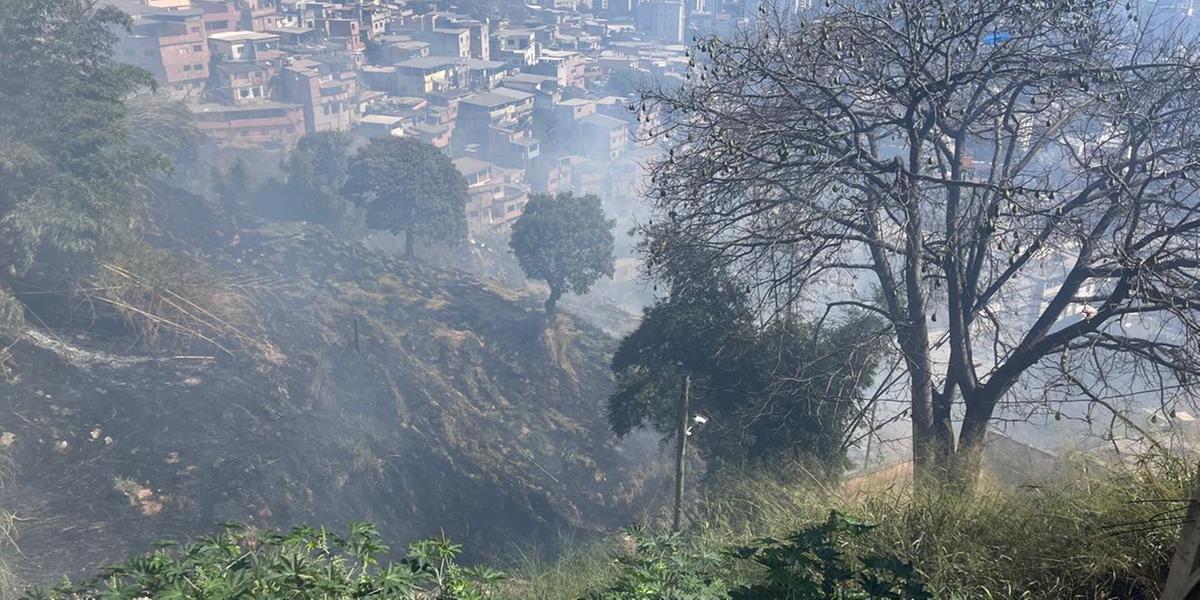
[(965, 158)]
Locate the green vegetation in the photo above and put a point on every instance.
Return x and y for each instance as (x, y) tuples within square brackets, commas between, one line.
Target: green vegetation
[(305, 563), (565, 241), (234, 185), (8, 544), (930, 153), (1101, 534), (1085, 534), (792, 387), (316, 171), (410, 187), (69, 164)]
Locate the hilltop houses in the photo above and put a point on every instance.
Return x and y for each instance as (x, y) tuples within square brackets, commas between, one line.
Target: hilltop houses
[(535, 103)]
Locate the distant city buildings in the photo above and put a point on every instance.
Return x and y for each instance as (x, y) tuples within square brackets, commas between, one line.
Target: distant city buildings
[(526, 101)]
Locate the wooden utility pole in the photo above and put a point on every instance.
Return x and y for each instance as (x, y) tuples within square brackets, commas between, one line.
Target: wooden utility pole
[(680, 451)]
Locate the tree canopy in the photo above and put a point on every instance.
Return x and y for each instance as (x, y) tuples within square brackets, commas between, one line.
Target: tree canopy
[(1010, 184), (316, 172), (67, 162), (791, 387), (410, 187), (565, 241)]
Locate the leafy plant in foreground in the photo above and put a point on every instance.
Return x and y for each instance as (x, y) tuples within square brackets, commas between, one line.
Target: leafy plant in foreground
[(814, 564), (660, 568), (305, 563)]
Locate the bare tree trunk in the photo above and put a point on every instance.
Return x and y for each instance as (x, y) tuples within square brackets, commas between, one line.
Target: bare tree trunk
[(680, 452), (552, 302), (1184, 576), (409, 243), (963, 472)]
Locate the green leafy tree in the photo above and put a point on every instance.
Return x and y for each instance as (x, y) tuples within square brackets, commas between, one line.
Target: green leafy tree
[(410, 187), (316, 172), (790, 387), (565, 241), (69, 169), (234, 185)]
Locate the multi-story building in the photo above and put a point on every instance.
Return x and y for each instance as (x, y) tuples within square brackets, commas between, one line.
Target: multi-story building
[(427, 75), (662, 20), (478, 31), (603, 137), (171, 46), (259, 15), (485, 74), (340, 33), (447, 42), (374, 126), (393, 48), (496, 195), (519, 47), (241, 82), (259, 123), (478, 113), (568, 67), (327, 94), (219, 15), (242, 46), (550, 175)]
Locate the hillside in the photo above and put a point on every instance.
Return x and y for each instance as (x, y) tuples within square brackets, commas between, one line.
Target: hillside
[(455, 409)]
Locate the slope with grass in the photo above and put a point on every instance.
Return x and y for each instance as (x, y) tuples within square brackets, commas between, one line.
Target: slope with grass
[(275, 375)]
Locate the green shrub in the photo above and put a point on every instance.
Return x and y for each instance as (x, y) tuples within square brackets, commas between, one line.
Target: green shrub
[(819, 562), (1090, 531), (306, 563), (660, 568)]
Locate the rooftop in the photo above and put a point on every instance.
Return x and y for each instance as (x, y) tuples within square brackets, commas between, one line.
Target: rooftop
[(604, 121), (477, 63), (428, 62), (495, 99), (209, 108), (242, 36), (470, 166), (381, 120)]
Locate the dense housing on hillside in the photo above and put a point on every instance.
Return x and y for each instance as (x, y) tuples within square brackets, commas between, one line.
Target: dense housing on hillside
[(533, 101)]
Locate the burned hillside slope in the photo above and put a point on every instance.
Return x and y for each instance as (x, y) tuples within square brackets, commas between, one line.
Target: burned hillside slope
[(367, 388)]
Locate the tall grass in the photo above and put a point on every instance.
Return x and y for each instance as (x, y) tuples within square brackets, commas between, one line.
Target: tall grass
[(8, 545), (1089, 532)]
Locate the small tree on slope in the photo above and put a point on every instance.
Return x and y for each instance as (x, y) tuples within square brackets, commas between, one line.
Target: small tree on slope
[(409, 187), (565, 241)]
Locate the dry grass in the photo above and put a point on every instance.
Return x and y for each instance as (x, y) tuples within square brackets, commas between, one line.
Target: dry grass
[(1089, 533), (9, 585), (159, 295)]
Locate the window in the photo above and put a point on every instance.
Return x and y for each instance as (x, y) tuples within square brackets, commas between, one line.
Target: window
[(194, 29), (197, 48), (199, 67), (187, 67), (244, 93)]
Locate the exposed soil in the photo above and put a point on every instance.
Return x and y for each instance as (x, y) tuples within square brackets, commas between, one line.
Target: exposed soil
[(456, 409)]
